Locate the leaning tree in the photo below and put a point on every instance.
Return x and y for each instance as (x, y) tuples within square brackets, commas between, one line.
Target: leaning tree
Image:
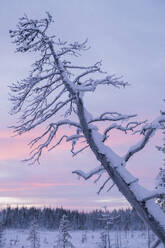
[(55, 88)]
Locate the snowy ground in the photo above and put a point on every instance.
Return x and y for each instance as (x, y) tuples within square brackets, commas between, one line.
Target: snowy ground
[(132, 239)]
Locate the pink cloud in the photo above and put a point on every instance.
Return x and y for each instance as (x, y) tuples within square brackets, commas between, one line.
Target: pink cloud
[(17, 147)]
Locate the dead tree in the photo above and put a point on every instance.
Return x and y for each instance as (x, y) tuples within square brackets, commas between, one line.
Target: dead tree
[(56, 86)]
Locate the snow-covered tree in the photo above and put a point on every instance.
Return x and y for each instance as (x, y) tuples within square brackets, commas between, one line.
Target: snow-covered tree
[(160, 179), (64, 235), (103, 239), (105, 236), (50, 218), (160, 185), (84, 237), (109, 221), (34, 235), (57, 86), (2, 241)]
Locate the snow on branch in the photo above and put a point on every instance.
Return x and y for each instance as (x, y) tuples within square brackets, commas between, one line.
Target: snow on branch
[(91, 84), (78, 78), (30, 33), (72, 49), (159, 193), (129, 127), (90, 174), (112, 116), (147, 131)]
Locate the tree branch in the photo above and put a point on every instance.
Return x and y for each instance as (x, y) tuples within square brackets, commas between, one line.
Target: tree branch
[(155, 243), (103, 185), (154, 194), (90, 173), (148, 131)]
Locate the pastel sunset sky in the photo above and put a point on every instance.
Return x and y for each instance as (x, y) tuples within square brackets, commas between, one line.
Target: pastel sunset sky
[(129, 37)]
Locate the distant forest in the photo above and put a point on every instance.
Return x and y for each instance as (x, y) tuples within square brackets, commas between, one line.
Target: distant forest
[(48, 218)]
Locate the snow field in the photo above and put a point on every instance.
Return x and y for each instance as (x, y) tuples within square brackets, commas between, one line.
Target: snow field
[(131, 239)]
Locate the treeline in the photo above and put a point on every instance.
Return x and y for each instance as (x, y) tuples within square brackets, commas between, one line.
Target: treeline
[(49, 218)]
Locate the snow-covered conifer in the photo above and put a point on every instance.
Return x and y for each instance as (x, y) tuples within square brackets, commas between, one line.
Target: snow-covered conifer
[(105, 235), (160, 184), (34, 235), (103, 239), (64, 235), (84, 237), (2, 242)]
